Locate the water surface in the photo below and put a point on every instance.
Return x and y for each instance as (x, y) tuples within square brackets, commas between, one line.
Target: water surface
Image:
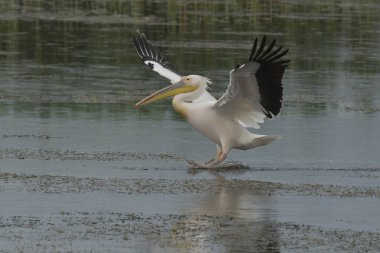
[(69, 77)]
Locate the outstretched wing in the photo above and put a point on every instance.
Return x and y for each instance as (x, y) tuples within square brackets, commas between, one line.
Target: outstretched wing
[(154, 59), (255, 88)]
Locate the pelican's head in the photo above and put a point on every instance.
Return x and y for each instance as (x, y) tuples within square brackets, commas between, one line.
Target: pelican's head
[(201, 81), (187, 84)]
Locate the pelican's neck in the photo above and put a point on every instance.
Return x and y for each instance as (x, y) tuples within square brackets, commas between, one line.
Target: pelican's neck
[(184, 98), (181, 101), (190, 96)]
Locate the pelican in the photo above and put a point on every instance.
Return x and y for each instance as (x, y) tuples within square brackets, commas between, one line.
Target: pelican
[(253, 94)]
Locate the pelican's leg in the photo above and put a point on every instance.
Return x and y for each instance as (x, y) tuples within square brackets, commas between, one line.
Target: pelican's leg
[(216, 162), (218, 153), (222, 155), (196, 165)]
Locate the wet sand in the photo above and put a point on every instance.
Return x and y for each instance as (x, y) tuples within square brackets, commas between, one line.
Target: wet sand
[(195, 211)]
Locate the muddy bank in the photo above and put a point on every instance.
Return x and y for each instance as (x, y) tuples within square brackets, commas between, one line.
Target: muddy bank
[(168, 232), (76, 155), (68, 184)]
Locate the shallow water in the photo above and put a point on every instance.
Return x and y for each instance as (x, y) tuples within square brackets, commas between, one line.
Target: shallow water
[(69, 77), (65, 66)]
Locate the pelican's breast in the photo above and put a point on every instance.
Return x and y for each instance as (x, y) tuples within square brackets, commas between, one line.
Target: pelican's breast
[(202, 117), (180, 108)]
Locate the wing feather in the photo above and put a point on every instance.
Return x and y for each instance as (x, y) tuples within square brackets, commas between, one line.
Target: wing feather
[(278, 56), (154, 59), (255, 88), (253, 50), (261, 48), (273, 53), (267, 50)]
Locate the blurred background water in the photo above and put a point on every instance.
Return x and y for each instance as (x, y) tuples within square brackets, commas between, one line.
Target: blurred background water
[(68, 69)]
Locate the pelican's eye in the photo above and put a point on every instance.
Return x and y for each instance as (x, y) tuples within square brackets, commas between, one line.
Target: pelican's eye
[(188, 79)]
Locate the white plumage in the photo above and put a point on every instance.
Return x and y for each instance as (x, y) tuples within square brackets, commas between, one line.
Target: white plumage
[(254, 92), (173, 77)]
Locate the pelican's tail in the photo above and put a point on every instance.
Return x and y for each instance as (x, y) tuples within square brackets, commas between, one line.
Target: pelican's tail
[(259, 140)]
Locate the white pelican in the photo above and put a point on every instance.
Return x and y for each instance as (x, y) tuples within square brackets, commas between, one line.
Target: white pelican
[(254, 92)]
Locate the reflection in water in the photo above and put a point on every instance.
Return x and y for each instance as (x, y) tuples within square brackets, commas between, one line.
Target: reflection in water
[(74, 60), (228, 221)]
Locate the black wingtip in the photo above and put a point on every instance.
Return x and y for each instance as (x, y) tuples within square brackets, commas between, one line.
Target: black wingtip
[(253, 50), (268, 50), (147, 51), (269, 75), (137, 34), (268, 54), (278, 56), (261, 48)]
